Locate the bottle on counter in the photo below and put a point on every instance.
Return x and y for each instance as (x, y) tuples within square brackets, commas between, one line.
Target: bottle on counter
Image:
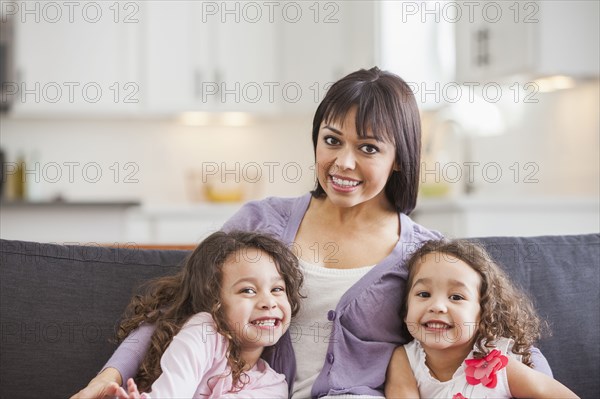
[(20, 190)]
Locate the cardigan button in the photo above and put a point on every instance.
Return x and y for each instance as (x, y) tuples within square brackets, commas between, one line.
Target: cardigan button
[(331, 315), (330, 357)]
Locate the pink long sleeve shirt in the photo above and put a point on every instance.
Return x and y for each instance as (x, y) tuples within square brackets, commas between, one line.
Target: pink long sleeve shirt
[(194, 366)]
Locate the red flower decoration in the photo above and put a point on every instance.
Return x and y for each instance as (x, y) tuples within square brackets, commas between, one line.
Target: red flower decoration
[(484, 370), (458, 396)]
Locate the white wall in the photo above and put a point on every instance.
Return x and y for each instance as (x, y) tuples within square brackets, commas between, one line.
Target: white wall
[(560, 135), (547, 148)]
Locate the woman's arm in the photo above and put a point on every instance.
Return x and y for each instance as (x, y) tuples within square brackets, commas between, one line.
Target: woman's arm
[(105, 385), (400, 381), (525, 382), (539, 362), (122, 365)]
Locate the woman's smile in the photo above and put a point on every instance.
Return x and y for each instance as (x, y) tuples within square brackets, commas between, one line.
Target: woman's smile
[(343, 184)]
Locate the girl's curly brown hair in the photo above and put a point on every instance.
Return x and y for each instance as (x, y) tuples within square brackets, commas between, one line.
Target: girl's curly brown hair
[(168, 302), (506, 311)]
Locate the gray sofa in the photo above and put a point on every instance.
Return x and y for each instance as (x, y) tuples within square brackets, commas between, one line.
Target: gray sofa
[(59, 306)]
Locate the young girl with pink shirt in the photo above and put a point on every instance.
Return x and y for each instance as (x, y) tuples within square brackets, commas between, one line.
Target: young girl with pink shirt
[(234, 297)]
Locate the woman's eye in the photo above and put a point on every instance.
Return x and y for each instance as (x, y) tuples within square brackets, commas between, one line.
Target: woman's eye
[(456, 297), (369, 149), (331, 140), (423, 294)]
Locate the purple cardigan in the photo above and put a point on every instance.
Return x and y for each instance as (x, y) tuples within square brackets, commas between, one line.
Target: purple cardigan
[(366, 324)]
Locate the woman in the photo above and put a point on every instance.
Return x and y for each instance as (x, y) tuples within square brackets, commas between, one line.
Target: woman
[(352, 236)]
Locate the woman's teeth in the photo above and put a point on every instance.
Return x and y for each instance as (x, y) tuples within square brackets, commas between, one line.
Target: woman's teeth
[(345, 183)]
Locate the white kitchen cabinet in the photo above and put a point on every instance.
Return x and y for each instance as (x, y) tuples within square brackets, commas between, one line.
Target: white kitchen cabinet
[(207, 56), (331, 40), (75, 58), (175, 61), (498, 39), (167, 57), (245, 59), (93, 223)]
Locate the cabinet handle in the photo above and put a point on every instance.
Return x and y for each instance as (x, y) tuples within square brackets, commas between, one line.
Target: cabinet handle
[(483, 52), (486, 47)]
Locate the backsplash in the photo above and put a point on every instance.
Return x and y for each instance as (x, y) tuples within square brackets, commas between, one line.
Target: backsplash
[(550, 148), (159, 161)]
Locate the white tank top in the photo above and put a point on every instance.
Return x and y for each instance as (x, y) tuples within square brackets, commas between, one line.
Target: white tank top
[(430, 387), (310, 330)]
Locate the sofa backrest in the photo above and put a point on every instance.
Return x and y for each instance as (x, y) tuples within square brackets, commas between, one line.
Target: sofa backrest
[(562, 275), (59, 306)]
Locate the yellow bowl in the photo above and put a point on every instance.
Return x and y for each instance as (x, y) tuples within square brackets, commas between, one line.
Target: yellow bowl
[(224, 195)]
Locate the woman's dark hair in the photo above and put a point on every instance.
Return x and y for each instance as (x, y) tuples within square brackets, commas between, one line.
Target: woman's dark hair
[(168, 302), (506, 311), (385, 108)]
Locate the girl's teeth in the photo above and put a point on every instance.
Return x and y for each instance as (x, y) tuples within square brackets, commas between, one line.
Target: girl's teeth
[(436, 325), (344, 183), (268, 323)]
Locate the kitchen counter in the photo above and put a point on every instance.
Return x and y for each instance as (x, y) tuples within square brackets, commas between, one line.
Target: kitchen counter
[(109, 222), (68, 204), (497, 216)]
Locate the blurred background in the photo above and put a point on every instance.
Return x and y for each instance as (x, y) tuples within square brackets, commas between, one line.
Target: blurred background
[(151, 122)]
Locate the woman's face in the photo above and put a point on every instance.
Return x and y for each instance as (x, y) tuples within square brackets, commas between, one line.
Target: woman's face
[(352, 170)]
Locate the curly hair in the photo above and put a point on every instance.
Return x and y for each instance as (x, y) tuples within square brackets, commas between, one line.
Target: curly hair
[(168, 302), (506, 311)]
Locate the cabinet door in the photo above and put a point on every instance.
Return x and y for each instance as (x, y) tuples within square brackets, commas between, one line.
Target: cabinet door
[(330, 40), (78, 60), (572, 49), (176, 57), (245, 67), (205, 56), (494, 41)]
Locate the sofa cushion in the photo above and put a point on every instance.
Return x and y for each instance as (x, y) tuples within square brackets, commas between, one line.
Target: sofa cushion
[(59, 308), (562, 274)]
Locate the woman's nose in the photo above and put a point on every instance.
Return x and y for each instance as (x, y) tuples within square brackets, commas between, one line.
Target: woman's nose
[(345, 159)]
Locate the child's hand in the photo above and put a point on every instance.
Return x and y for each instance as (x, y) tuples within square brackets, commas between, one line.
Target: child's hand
[(132, 393)]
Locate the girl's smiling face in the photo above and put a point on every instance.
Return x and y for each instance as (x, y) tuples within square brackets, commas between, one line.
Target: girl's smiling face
[(254, 298), (443, 303), (352, 169)]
